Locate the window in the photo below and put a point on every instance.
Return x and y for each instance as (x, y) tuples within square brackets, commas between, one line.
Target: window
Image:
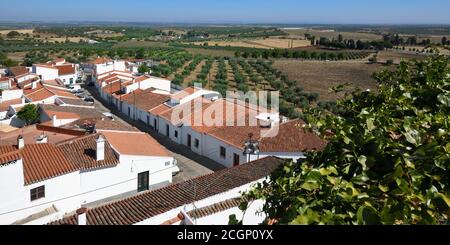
[(176, 134), (71, 80), (167, 164), (223, 152), (236, 160), (37, 193), (143, 181), (189, 140), (197, 143)]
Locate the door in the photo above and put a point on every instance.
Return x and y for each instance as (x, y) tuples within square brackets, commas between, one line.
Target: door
[(155, 125), (189, 140), (236, 160), (143, 181), (167, 131), (148, 120)]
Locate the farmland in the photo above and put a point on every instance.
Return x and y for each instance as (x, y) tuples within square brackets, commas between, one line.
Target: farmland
[(266, 43), (319, 76), (330, 34)]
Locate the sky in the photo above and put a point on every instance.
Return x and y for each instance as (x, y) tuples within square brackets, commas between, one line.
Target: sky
[(231, 11)]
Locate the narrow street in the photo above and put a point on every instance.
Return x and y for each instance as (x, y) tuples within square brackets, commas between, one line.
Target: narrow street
[(191, 164)]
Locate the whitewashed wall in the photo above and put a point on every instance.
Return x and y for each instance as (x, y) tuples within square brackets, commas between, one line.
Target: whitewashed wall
[(12, 94), (16, 203), (68, 192), (122, 178), (45, 72)]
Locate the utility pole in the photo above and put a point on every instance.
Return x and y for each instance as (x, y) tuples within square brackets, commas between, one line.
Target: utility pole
[(135, 106)]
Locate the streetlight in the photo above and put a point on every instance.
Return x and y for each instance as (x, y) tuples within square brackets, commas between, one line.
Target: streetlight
[(251, 147)]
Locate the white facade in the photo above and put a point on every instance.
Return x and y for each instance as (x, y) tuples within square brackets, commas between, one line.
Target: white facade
[(115, 65), (69, 79), (46, 72), (11, 94), (150, 82)]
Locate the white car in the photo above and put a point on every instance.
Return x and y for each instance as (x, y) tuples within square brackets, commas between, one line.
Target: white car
[(108, 115), (74, 88)]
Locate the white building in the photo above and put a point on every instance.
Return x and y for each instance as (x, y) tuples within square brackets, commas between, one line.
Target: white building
[(104, 65), (68, 73), (43, 182), (184, 119), (208, 199)]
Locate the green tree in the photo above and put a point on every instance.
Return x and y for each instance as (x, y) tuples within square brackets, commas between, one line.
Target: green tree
[(143, 69), (29, 114), (387, 160), (13, 34)]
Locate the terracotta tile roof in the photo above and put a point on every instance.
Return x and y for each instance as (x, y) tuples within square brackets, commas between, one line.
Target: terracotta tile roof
[(292, 137), (138, 144), (4, 106), (5, 79), (149, 204), (141, 78), (160, 109), (145, 100), (100, 61), (65, 70), (112, 88), (8, 153), (61, 93), (62, 114), (110, 125), (82, 152), (29, 90), (18, 70), (76, 102), (39, 94), (44, 161), (184, 93), (289, 138), (83, 113), (55, 82)]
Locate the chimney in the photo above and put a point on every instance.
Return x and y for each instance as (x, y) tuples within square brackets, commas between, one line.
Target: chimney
[(54, 123), (20, 142), (34, 85), (81, 213), (100, 148), (23, 100)]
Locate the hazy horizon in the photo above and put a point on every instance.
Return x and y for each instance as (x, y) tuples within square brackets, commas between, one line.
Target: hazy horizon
[(289, 12)]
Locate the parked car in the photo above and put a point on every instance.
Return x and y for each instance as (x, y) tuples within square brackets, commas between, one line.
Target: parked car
[(74, 88), (88, 99), (108, 115)]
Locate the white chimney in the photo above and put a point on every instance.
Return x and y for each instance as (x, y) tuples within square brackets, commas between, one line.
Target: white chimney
[(81, 213), (34, 85), (20, 142), (100, 148), (54, 123), (42, 139), (23, 100)]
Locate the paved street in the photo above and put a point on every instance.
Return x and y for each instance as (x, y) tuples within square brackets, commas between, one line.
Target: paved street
[(190, 163)]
